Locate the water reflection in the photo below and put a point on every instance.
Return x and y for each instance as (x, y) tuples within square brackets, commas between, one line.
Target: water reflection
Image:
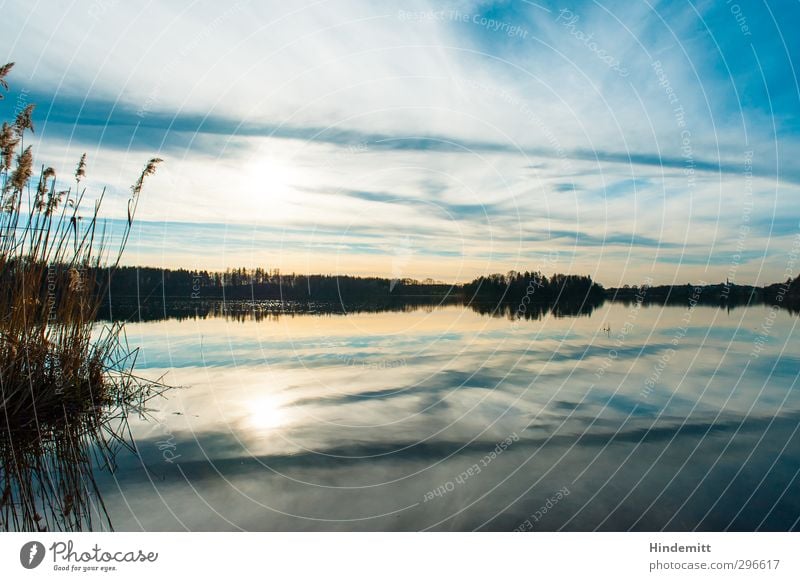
[(444, 418), (51, 456), (48, 472), (269, 310)]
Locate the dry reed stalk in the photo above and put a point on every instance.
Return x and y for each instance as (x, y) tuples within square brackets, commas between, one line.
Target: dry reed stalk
[(65, 387)]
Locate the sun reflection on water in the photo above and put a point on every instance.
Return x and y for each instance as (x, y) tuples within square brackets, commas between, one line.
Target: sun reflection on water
[(267, 413)]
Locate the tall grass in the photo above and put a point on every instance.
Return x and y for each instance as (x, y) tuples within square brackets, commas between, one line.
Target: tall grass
[(63, 382)]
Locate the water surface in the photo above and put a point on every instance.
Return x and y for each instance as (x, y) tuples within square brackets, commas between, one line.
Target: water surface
[(444, 418)]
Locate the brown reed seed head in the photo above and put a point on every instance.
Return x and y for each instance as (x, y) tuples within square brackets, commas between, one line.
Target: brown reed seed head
[(23, 171), (148, 170), (24, 120), (80, 171), (48, 174), (8, 143), (4, 70)]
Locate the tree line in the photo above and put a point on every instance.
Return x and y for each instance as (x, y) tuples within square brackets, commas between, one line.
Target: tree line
[(127, 282)]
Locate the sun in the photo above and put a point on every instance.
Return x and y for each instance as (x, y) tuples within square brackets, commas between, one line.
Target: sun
[(267, 413), (273, 175)]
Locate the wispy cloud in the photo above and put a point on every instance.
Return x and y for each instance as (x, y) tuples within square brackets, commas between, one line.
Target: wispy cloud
[(483, 133)]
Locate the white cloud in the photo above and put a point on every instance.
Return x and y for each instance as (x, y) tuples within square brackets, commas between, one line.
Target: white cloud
[(365, 68)]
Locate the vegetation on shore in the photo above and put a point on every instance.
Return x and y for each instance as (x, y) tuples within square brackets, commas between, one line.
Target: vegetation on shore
[(148, 283), (148, 293), (785, 294), (65, 384), (537, 286)]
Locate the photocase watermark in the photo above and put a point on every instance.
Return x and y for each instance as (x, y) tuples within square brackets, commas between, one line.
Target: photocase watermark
[(680, 333), (22, 101), (491, 24), (75, 282), (196, 286), (167, 71), (744, 227), (402, 253), (328, 342), (31, 554), (365, 364), (686, 149), (621, 336), (52, 272), (769, 320), (537, 281), (548, 505), (167, 446), (342, 153), (741, 19), (67, 558), (100, 7), (569, 20), (77, 279), (529, 115), (473, 470), (95, 559)]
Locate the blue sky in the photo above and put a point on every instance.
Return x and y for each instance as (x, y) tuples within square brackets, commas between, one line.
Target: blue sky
[(625, 140)]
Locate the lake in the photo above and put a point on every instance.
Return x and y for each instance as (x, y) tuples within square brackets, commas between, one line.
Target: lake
[(444, 418)]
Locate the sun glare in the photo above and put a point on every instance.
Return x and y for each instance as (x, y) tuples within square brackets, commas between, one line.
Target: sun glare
[(274, 175), (267, 413)]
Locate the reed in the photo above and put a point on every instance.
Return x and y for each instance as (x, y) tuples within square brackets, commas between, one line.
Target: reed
[(66, 383)]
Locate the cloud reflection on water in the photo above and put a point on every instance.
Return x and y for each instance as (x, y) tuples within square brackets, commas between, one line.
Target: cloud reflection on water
[(297, 424)]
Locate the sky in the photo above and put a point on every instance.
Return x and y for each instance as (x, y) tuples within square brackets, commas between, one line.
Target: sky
[(631, 141)]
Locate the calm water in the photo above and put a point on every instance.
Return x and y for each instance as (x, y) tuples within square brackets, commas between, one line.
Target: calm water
[(446, 419)]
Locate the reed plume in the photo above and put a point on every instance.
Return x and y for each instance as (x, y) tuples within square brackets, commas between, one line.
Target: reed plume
[(4, 70), (63, 378), (80, 171), (24, 120)]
